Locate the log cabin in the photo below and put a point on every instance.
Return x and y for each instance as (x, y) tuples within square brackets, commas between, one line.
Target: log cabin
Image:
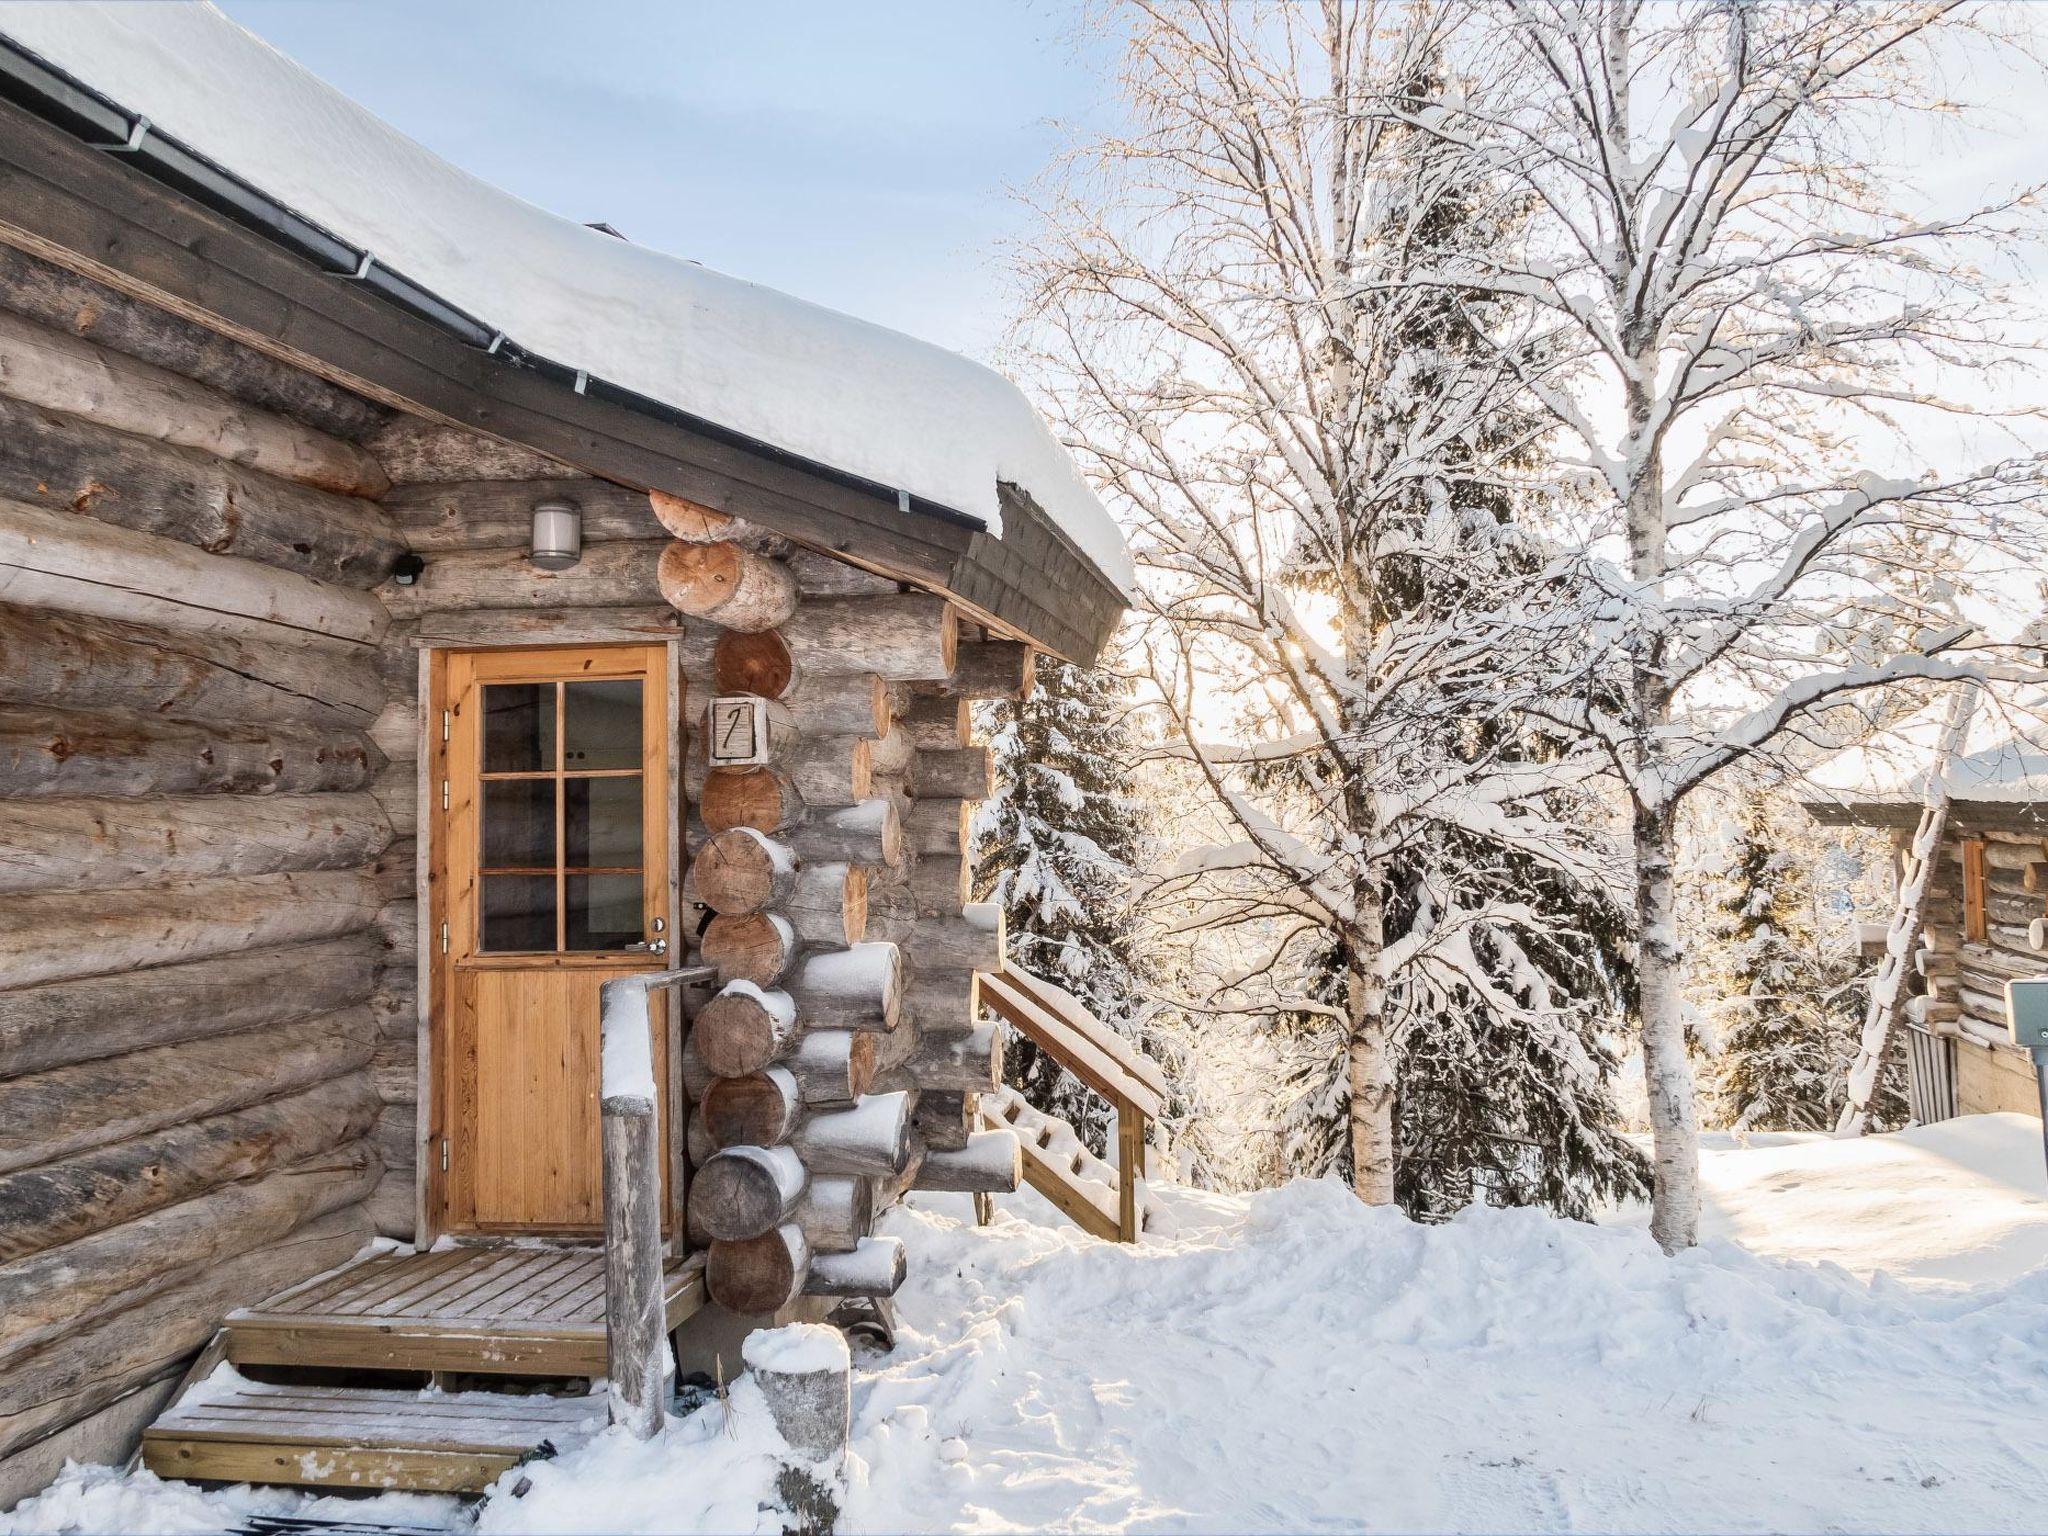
[(1987, 914), (417, 611)]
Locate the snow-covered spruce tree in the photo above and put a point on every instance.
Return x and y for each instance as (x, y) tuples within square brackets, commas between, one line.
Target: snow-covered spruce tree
[(1292, 463), (1059, 845), (1751, 297)]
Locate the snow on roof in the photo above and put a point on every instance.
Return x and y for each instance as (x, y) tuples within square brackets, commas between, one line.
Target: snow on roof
[(2004, 759), (839, 391)]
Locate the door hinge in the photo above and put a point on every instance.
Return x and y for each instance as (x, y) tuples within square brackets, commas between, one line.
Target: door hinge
[(444, 724), (444, 794), (444, 1154), (444, 938)]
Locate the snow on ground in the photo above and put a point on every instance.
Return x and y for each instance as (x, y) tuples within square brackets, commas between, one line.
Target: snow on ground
[(1859, 1345)]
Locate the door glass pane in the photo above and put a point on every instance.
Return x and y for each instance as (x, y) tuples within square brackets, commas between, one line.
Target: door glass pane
[(603, 822), (603, 911), (601, 724), (519, 823), (519, 727), (518, 914)]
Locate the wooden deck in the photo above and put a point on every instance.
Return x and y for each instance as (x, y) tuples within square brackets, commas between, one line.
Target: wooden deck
[(504, 1310), (332, 1437)]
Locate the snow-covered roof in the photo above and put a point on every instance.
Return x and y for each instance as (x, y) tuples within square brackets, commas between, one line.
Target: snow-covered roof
[(804, 379), (2004, 759)]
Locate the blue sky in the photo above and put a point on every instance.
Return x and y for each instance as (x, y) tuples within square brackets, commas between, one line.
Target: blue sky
[(857, 154)]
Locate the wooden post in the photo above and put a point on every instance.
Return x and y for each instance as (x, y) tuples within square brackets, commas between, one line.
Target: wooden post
[(1130, 1163), (638, 1370)]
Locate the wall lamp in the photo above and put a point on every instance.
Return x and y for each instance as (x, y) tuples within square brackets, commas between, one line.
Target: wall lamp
[(557, 535)]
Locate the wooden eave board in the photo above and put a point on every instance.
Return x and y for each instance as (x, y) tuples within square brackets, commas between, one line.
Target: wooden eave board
[(1089, 1062), (85, 210)]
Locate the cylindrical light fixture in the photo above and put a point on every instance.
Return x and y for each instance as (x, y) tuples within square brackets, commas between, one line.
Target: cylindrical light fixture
[(557, 535)]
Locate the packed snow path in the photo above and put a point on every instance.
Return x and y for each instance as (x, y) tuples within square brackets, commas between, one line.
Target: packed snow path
[(1291, 1360)]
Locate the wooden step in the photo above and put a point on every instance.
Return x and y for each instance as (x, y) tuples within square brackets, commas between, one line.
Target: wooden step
[(230, 1429)]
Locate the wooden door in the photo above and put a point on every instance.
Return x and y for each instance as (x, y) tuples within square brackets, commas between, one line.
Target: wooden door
[(552, 874)]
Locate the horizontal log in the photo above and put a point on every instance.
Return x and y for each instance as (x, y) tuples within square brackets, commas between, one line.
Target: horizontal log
[(872, 1138), (759, 1275), (861, 987), (992, 669), (938, 885), (46, 1295), (958, 773), (992, 1163), (759, 949), (821, 575), (726, 584), (874, 1268), (830, 703), (61, 844), (757, 663), (758, 1110), (940, 999), (104, 1436), (835, 1214), (939, 721), (939, 943), (68, 464), (694, 524), (943, 1119), (743, 1029), (641, 625), (906, 638), (741, 1192), (443, 516), (74, 662), (831, 771), (970, 1061), (607, 576), (58, 1023), (65, 373), (61, 1202), (939, 827), (92, 311), (762, 798), (415, 450), (828, 905), (70, 1110), (741, 871), (869, 834), (106, 1357), (833, 1067), (60, 935), (65, 752)]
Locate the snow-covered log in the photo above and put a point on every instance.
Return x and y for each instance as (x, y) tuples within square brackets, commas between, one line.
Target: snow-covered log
[(758, 949), (874, 1268), (991, 1163), (860, 987), (872, 1138)]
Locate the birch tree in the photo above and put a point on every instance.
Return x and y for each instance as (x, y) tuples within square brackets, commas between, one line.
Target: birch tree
[(1318, 500), (1752, 299)]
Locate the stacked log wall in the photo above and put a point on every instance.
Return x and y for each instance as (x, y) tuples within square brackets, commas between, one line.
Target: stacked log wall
[(192, 858)]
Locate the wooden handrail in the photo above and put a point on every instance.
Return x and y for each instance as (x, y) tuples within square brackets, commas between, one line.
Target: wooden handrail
[(637, 1368)]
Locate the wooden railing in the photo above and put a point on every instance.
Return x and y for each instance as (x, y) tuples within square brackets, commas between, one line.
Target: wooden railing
[(635, 1318), (1059, 1024)]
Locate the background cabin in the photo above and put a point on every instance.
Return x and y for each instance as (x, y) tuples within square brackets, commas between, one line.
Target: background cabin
[(401, 636)]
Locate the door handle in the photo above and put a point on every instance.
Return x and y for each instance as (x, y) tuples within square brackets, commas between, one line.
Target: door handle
[(649, 947)]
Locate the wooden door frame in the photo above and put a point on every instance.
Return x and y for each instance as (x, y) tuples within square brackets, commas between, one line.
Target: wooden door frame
[(431, 886)]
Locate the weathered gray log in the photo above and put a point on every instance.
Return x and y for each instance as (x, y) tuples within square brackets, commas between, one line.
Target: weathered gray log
[(86, 663), (940, 999), (938, 884), (66, 463), (869, 835), (94, 312), (760, 1109), (608, 576), (940, 944), (759, 949), (53, 1025), (638, 1368), (65, 373), (831, 771), (70, 1110), (958, 773), (757, 663), (943, 1120), (992, 1163), (61, 752), (970, 1061), (992, 669), (874, 1268), (414, 449), (103, 1358), (762, 798), (806, 1375), (532, 626), (828, 905), (872, 1138), (59, 935), (727, 585), (498, 514), (907, 638), (71, 844), (758, 1274), (889, 755), (835, 1213), (60, 1202), (829, 703), (833, 1067), (938, 721), (741, 871), (938, 827), (743, 1029), (860, 987), (742, 1192), (104, 1436), (44, 1296), (822, 575)]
